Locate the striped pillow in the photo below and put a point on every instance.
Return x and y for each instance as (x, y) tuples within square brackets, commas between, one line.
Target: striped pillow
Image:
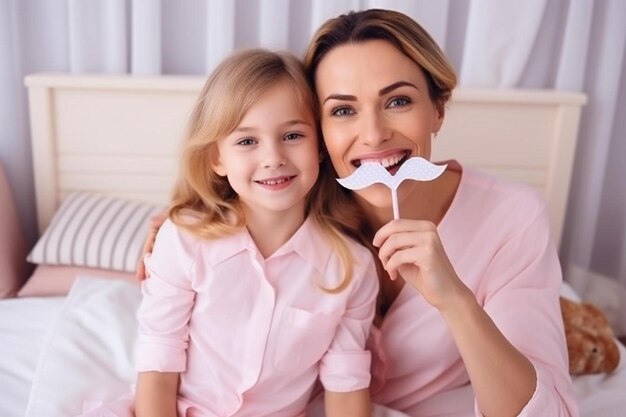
[(95, 231)]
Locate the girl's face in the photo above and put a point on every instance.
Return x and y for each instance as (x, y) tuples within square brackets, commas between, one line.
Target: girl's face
[(271, 159), (374, 107)]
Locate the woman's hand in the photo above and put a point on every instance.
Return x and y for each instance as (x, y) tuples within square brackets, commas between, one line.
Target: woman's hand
[(413, 250), (155, 224)]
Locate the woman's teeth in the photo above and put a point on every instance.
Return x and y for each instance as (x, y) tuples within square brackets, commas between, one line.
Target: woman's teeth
[(385, 162)]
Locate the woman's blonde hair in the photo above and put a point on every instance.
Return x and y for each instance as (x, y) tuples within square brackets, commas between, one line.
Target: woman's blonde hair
[(396, 28), (413, 41), (203, 202)]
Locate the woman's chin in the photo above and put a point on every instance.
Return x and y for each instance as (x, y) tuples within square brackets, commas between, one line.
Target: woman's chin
[(377, 196)]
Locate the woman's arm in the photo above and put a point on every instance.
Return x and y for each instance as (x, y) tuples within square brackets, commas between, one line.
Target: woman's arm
[(347, 404), (156, 394), (503, 379)]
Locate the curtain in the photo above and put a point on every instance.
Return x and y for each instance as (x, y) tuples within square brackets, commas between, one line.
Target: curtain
[(574, 45)]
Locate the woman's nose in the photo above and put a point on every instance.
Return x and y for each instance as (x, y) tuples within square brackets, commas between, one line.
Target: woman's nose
[(374, 130)]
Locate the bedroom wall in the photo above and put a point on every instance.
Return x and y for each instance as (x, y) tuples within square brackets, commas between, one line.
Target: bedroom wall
[(562, 44)]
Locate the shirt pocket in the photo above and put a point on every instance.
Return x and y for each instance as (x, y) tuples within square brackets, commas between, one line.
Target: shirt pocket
[(302, 338)]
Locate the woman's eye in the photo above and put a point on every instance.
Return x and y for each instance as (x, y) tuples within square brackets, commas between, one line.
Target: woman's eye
[(246, 142), (293, 136), (341, 111), (398, 102)]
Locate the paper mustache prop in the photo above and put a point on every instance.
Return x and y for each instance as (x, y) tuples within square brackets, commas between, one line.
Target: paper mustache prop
[(370, 173)]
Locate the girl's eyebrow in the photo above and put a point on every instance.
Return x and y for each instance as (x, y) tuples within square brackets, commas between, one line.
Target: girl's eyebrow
[(381, 92), (287, 123)]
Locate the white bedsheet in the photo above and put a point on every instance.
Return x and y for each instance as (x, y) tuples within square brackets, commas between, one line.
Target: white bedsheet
[(23, 325), (86, 342)]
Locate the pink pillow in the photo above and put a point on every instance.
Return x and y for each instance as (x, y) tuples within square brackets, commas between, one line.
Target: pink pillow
[(54, 280), (12, 243)]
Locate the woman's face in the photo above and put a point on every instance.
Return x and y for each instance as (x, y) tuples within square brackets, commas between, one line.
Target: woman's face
[(374, 107)]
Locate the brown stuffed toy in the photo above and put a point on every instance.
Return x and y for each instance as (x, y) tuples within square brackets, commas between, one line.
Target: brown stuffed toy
[(591, 345)]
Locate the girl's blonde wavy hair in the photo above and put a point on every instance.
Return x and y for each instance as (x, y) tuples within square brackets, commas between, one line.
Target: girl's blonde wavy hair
[(203, 202)]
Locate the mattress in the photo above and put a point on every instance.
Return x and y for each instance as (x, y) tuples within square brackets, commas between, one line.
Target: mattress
[(47, 343), (24, 323)]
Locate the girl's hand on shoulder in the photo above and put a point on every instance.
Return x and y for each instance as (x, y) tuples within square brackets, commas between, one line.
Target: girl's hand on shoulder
[(413, 250)]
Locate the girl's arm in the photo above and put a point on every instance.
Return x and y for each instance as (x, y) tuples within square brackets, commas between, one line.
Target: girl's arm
[(156, 394), (347, 404)]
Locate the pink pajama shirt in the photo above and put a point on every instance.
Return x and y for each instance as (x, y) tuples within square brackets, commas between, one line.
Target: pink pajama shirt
[(497, 237), (250, 336)]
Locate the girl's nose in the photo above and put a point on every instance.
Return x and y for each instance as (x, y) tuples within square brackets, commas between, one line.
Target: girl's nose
[(274, 157), (374, 130)]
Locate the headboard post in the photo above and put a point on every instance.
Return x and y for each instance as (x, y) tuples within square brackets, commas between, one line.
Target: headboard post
[(561, 164), (44, 153)]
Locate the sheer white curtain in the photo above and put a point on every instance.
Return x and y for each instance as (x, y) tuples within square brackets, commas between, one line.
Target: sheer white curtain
[(576, 45)]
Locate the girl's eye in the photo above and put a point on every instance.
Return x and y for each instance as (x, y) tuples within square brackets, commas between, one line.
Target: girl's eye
[(293, 136), (341, 111), (246, 142), (398, 102)]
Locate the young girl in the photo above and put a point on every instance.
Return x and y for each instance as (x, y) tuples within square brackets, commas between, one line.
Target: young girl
[(254, 292)]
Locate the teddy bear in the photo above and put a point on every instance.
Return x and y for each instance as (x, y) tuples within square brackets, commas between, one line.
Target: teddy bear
[(591, 345)]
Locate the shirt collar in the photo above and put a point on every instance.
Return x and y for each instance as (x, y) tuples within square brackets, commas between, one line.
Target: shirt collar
[(308, 242)]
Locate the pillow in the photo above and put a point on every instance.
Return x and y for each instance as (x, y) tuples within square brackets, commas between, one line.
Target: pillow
[(56, 280), (87, 355), (12, 243), (95, 231)]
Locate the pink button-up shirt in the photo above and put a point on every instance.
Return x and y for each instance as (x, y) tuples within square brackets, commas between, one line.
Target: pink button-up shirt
[(250, 335), (497, 236)]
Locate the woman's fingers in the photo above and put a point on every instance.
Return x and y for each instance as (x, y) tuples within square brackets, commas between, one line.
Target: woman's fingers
[(156, 222), (141, 273), (399, 226)]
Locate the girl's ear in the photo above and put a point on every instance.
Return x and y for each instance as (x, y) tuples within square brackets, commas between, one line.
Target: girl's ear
[(216, 163)]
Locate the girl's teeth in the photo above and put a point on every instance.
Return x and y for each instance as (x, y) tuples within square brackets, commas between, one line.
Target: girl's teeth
[(274, 182)]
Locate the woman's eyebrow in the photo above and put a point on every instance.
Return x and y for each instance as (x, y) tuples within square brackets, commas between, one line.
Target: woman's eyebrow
[(382, 92), (389, 88), (344, 97)]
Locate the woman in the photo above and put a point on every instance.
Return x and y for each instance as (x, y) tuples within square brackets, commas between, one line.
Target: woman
[(469, 320)]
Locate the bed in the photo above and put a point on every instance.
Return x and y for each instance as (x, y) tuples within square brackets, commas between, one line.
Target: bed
[(109, 144)]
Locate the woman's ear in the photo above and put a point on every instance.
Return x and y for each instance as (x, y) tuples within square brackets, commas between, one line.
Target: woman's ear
[(440, 113)]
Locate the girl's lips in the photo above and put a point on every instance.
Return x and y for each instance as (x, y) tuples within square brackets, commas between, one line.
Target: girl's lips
[(276, 183)]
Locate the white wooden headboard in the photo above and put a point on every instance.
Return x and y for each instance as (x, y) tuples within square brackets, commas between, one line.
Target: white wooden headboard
[(120, 136)]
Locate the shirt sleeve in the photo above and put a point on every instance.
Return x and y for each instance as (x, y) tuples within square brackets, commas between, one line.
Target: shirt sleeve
[(167, 303), (346, 365), (521, 296)]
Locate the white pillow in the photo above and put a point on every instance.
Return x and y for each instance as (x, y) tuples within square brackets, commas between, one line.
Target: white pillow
[(95, 231), (88, 353)]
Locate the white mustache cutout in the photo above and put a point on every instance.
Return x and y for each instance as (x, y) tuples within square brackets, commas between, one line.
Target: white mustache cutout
[(370, 173)]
